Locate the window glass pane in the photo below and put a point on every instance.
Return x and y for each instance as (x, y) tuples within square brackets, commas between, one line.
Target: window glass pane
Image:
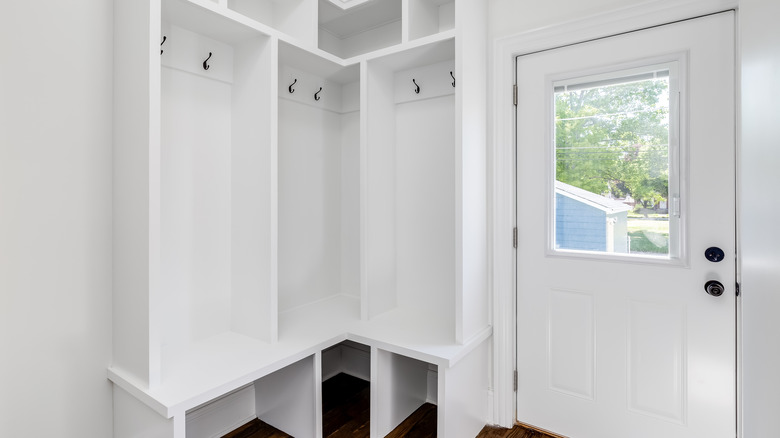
[(612, 164)]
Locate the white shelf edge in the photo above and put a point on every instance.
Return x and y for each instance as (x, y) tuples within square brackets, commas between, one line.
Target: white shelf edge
[(403, 47), (182, 406), (170, 405), (120, 378), (446, 361), (316, 51)]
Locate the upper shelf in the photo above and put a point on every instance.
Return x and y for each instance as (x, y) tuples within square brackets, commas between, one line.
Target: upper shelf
[(208, 19), (346, 4), (344, 34), (373, 25)]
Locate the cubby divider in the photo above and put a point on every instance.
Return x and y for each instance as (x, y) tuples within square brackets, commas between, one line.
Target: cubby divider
[(402, 385), (288, 398)]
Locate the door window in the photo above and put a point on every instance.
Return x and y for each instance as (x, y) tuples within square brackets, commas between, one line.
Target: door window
[(615, 166)]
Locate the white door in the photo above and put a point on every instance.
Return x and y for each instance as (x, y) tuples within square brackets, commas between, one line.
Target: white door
[(625, 179)]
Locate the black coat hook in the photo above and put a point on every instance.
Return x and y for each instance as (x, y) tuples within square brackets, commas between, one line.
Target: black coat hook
[(453, 79), (205, 65), (163, 42), (290, 88), (417, 89), (316, 95)]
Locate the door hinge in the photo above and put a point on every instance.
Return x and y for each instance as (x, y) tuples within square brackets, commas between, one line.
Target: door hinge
[(515, 381), (514, 94), (738, 290), (514, 238)]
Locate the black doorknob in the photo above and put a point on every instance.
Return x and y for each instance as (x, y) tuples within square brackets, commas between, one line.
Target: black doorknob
[(714, 288)]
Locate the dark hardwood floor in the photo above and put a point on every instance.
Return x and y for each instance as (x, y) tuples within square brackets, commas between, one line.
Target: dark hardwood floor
[(346, 403), (515, 432), (346, 414), (421, 424)]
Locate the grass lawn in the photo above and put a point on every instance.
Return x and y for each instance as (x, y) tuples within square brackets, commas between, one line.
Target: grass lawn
[(635, 215), (649, 236)]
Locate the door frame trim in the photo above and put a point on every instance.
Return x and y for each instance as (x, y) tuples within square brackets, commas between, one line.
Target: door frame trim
[(501, 150)]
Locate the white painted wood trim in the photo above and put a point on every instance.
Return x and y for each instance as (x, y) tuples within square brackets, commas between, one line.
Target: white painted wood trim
[(501, 145), (738, 248), (222, 415)]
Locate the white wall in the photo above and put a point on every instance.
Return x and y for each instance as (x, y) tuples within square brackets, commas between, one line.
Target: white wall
[(55, 218), (509, 17), (760, 156)]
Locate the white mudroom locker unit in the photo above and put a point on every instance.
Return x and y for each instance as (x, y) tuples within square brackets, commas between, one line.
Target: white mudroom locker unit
[(299, 191)]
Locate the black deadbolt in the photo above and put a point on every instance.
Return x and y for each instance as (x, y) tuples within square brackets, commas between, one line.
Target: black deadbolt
[(714, 254)]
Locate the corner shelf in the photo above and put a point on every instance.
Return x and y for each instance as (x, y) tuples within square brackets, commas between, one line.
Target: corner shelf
[(201, 371), (361, 29)]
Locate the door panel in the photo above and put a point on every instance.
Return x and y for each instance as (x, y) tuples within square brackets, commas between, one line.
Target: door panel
[(614, 344)]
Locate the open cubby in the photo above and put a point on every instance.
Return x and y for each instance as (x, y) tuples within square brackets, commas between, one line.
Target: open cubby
[(347, 357), (429, 17), (346, 388), (215, 188), (359, 29), (319, 137), (408, 188), (403, 385), (285, 399), (292, 17)]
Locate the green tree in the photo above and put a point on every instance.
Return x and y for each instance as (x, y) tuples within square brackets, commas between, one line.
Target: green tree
[(614, 139)]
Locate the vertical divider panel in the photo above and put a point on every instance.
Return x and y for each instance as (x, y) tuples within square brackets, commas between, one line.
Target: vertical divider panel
[(274, 178), (136, 138), (405, 20), (254, 298), (363, 196), (378, 412), (155, 310), (424, 18), (288, 398), (471, 293), (463, 395), (318, 394), (350, 188), (399, 387), (378, 191)]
